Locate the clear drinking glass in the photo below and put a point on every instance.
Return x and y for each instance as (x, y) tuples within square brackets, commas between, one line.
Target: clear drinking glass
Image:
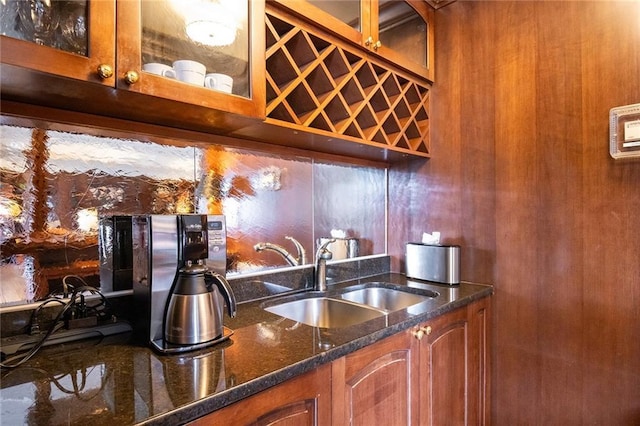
[(73, 27), (39, 20), (9, 18), (60, 24)]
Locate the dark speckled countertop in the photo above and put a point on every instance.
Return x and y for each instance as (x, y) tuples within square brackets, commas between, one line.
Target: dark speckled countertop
[(118, 382)]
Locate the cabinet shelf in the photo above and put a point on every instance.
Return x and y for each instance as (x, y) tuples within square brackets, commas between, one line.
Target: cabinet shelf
[(318, 85)]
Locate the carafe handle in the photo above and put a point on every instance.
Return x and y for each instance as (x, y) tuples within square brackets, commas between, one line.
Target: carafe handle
[(212, 277)]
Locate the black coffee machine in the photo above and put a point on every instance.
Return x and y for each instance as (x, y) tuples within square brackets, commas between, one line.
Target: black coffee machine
[(180, 289)]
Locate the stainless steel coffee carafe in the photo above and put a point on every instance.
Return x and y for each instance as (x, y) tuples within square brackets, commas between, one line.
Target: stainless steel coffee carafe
[(195, 311)]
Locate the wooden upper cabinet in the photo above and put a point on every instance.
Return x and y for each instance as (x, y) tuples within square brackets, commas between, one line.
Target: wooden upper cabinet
[(225, 38), (69, 39), (110, 41), (401, 32)]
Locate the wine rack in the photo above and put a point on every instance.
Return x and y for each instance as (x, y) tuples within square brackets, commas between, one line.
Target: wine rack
[(319, 86)]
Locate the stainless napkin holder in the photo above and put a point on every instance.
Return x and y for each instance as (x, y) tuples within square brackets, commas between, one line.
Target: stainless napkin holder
[(437, 263)]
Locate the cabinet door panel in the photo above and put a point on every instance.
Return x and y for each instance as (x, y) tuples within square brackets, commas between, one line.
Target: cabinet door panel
[(379, 382), (346, 11), (444, 360), (95, 25), (164, 32), (406, 35), (376, 383), (348, 18), (480, 362), (304, 400), (403, 30), (296, 414)]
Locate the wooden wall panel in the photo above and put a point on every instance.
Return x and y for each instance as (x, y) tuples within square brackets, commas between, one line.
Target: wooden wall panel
[(521, 177), (611, 315)]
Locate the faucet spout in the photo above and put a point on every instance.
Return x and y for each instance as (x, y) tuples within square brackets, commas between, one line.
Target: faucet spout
[(292, 261), (322, 255)]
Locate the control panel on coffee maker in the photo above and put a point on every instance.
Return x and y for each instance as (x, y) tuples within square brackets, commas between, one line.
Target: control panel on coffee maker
[(194, 238), (217, 244), (203, 238)]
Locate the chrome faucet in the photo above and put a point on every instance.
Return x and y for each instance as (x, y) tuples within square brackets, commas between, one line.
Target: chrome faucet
[(293, 261), (322, 255)]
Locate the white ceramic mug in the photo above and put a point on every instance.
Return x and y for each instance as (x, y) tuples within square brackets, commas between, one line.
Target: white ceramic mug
[(159, 69), (217, 81), (189, 71)]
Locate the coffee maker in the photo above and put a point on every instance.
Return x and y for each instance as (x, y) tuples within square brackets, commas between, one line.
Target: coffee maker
[(179, 284)]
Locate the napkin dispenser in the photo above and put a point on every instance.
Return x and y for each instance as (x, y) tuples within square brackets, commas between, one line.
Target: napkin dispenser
[(437, 263)]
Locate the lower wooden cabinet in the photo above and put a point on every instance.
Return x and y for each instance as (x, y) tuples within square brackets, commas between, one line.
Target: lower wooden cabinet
[(303, 400), (454, 367), (378, 384), (434, 374)]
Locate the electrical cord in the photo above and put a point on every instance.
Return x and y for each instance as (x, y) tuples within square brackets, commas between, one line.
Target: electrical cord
[(22, 358), (69, 310), (34, 326), (84, 309)]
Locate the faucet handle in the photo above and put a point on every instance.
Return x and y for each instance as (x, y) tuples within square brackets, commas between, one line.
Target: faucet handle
[(323, 250), (325, 254), (302, 254)]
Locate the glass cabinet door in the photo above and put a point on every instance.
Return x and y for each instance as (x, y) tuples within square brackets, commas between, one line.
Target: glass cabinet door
[(58, 24), (72, 38), (206, 52), (347, 11), (404, 32), (349, 18), (401, 29)]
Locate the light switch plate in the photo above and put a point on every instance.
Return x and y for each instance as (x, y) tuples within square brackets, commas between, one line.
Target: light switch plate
[(624, 132)]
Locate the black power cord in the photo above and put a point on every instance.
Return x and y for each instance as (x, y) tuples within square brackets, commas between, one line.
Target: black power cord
[(74, 314)]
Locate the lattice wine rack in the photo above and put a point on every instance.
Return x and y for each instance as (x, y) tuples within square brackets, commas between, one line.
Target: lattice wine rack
[(320, 87)]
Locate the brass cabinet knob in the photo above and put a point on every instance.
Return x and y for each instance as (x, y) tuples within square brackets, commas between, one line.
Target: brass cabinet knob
[(369, 43), (105, 71), (131, 77), (419, 333)]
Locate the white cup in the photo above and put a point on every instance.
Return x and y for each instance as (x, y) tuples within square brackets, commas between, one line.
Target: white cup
[(189, 71), (159, 69), (221, 82)]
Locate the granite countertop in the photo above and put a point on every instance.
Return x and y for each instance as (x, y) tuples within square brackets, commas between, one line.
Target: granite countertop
[(118, 381)]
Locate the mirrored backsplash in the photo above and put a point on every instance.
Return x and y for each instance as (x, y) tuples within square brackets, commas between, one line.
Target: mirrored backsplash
[(56, 187)]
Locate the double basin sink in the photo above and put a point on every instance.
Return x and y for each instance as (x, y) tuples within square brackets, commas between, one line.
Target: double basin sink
[(350, 306)]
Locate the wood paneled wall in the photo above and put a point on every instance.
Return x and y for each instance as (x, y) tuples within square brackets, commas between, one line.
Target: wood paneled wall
[(521, 177)]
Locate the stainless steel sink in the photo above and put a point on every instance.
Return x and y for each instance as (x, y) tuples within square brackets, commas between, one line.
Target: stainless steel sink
[(324, 312), (350, 306), (388, 299)]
